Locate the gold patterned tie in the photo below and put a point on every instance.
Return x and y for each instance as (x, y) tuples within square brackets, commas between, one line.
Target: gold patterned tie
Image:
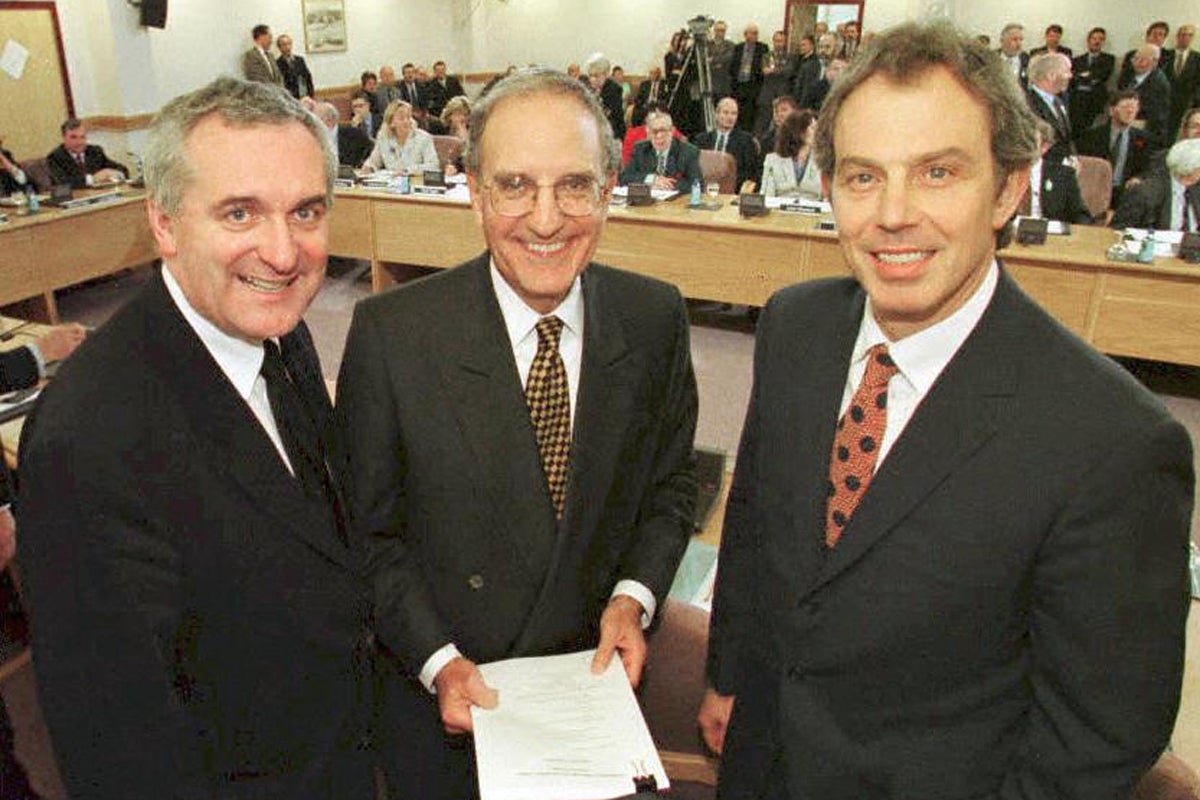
[(856, 443), (549, 402)]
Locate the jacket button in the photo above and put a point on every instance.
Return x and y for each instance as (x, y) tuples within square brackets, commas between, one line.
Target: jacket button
[(475, 582), (796, 674)]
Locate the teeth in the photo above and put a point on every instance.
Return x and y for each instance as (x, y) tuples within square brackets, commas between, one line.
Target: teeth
[(545, 249), (902, 258), (263, 285)]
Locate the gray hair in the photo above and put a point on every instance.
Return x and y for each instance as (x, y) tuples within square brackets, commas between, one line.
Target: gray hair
[(327, 112), (241, 104), (1010, 27), (597, 61), (1183, 158), (531, 82), (1044, 65), (906, 53)]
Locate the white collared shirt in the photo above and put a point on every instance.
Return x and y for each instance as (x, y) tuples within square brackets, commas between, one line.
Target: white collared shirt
[(920, 357), (241, 361), (1180, 207)]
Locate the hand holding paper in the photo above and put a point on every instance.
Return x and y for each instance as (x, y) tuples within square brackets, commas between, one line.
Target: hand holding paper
[(460, 685), (621, 630)]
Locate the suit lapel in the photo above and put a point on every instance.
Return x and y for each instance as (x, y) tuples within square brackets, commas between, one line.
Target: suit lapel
[(489, 403), (231, 438), (963, 409)]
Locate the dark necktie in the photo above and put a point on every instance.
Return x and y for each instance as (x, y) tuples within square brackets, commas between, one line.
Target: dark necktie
[(80, 161), (856, 443), (1064, 122), (721, 141), (299, 433), (549, 401)]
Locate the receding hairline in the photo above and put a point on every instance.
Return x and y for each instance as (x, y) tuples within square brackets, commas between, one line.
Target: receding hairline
[(540, 92)]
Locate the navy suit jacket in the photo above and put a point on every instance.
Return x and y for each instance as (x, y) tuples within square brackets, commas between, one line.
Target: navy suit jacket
[(683, 164), (64, 169), (1004, 613)]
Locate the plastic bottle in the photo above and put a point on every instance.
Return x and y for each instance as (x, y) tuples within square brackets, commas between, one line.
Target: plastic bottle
[(34, 204), (1146, 254)]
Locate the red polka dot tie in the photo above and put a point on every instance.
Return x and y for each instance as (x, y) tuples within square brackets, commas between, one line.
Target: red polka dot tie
[(856, 443), (549, 402)]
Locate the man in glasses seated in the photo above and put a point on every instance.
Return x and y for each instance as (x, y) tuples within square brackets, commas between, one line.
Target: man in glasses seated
[(520, 436)]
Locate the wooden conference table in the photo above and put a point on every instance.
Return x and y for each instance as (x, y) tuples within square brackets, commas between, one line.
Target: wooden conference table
[(1147, 311)]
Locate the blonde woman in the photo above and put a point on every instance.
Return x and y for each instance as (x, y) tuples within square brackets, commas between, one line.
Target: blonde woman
[(401, 146)]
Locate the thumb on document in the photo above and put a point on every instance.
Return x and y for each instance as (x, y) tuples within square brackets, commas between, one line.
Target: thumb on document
[(460, 685), (621, 630)]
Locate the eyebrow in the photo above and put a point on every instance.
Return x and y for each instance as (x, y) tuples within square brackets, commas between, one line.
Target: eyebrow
[(924, 158), (248, 199)]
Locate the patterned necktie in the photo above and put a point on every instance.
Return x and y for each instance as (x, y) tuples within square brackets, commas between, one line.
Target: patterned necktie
[(661, 164), (549, 402), (721, 141), (856, 443), (79, 160), (298, 431)]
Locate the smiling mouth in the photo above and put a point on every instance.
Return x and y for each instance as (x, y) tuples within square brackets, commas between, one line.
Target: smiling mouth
[(264, 285), (544, 249), (902, 258)]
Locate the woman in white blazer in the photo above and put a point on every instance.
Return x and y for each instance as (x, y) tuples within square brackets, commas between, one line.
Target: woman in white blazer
[(791, 171), (401, 146)]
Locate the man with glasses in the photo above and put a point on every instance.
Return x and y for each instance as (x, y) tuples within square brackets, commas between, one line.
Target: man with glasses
[(520, 436), (661, 160)]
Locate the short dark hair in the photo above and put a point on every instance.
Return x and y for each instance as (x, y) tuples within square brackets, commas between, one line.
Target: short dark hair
[(71, 123), (367, 76), (784, 98), (1162, 23), (907, 52), (437, 63), (790, 136), (1098, 29), (259, 30), (1118, 95), (408, 65), (1054, 28)]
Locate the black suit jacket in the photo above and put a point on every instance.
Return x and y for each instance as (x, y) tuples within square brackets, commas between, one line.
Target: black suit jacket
[(437, 95), (756, 68), (614, 107), (1148, 204), (64, 169), (293, 72), (683, 164), (18, 369), (188, 601), (1003, 615), (8, 184), (742, 147), (1155, 96), (1060, 196), (353, 145), (642, 99), (1095, 142), (416, 97), (1183, 86), (1089, 87), (1064, 144)]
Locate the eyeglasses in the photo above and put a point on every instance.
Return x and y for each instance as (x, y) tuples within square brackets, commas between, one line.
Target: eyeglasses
[(575, 195)]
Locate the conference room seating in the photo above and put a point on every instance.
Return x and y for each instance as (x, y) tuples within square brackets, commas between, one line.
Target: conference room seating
[(1095, 184), (38, 172), (720, 167), (448, 148)]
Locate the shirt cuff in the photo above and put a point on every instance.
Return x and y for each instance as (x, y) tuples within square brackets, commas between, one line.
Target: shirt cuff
[(89, 179), (650, 178), (433, 665), (37, 356), (639, 592)]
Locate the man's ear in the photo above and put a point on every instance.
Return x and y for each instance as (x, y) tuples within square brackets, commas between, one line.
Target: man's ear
[(1009, 198), (163, 228)]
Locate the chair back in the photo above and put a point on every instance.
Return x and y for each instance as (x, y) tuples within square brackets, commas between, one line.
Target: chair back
[(448, 149), (1095, 184), (38, 172), (720, 167)]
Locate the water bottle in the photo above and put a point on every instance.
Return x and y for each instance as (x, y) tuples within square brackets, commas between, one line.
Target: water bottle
[(1146, 254), (695, 194), (34, 205), (405, 185)]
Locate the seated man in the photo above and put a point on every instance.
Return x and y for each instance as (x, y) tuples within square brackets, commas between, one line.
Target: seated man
[(1165, 202), (81, 164), (651, 91), (1127, 148), (350, 143), (780, 107), (363, 116), (1053, 184), (637, 133), (12, 178), (728, 138), (661, 161)]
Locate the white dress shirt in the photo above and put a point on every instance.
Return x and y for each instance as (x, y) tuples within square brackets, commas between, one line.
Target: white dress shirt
[(1180, 207), (920, 357), (240, 360), (520, 321)]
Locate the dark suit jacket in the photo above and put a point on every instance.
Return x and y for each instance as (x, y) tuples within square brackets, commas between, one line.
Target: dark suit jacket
[(449, 490), (1183, 86), (683, 164), (1148, 204), (1089, 88), (437, 95), (742, 147), (8, 184), (292, 73), (642, 99), (756, 69), (1037, 51), (1064, 144), (415, 98), (18, 369), (614, 107), (64, 169), (1155, 96), (1003, 616), (353, 145), (808, 73), (1060, 196), (188, 600), (1095, 142), (1023, 77)]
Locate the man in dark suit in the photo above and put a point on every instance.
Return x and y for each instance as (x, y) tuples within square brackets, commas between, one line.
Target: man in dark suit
[(728, 138), (198, 608), (975, 583), (1156, 34), (1124, 146), (351, 144), (1154, 94), (1054, 191), (12, 178), (363, 117), (661, 160), (296, 77), (650, 92), (1049, 76), (746, 74), (1090, 74), (1012, 36), (440, 88), (257, 63), (782, 106), (1053, 38), (598, 69), (81, 164), (411, 91), (520, 434), (1182, 68), (1165, 200)]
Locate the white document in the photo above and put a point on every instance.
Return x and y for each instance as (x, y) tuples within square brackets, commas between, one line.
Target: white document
[(661, 195), (562, 733), (13, 59)]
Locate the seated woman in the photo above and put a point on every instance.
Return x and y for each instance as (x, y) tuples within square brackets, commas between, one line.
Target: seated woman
[(791, 171), (401, 146), (455, 121)]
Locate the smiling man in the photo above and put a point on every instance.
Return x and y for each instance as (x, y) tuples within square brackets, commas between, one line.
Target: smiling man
[(520, 435), (200, 616), (954, 555)]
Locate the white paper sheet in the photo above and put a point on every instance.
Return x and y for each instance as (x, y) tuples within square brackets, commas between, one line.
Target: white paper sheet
[(561, 733), (13, 59)]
